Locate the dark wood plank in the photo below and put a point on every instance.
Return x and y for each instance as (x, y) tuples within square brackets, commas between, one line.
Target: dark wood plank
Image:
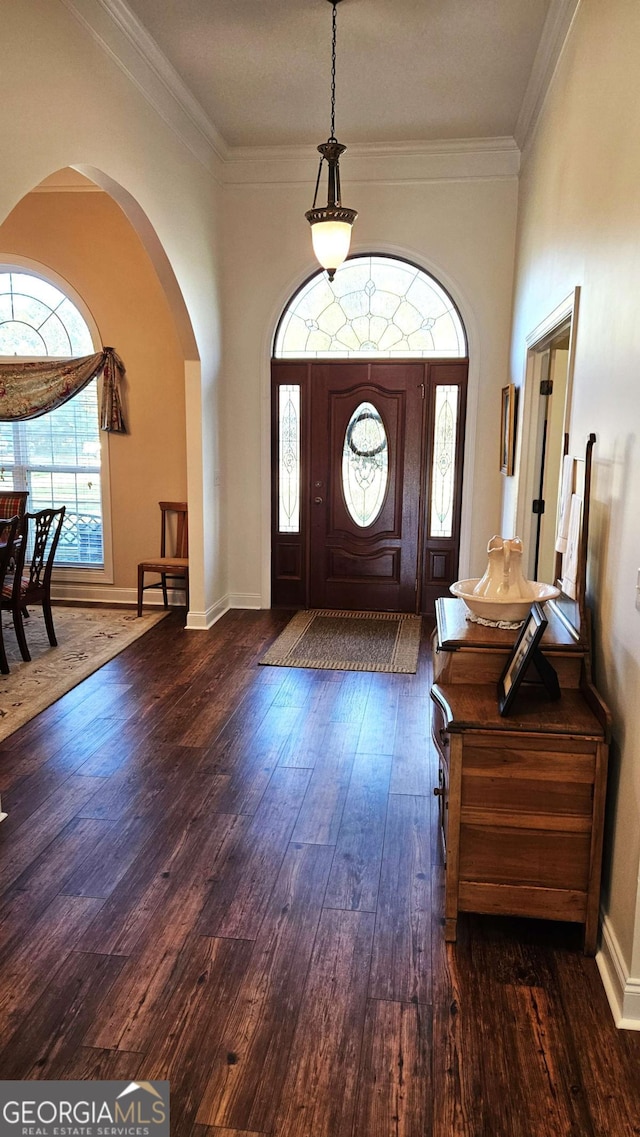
[(395, 1090), (24, 774), (89, 1064), (413, 761), (193, 1021), (321, 813), (400, 968), (129, 1016), (610, 1086), (350, 704), (381, 712), (26, 971), (62, 735), (51, 1033), (330, 1026), (250, 762), (40, 883), (543, 1065), (19, 848), (245, 1093), (146, 888), (458, 1086), (245, 879), (355, 874), (152, 811)]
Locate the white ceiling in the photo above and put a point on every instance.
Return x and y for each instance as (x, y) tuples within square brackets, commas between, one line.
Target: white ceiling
[(408, 70)]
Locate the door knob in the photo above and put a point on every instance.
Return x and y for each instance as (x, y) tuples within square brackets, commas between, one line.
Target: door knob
[(318, 500)]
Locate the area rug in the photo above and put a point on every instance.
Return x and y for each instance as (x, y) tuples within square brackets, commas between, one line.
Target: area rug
[(87, 638), (348, 641)]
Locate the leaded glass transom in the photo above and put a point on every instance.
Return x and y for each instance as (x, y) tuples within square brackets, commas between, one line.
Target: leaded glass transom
[(375, 306), (365, 464)]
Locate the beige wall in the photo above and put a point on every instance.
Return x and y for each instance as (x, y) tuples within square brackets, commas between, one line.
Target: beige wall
[(66, 102), (86, 239), (462, 230), (579, 224)]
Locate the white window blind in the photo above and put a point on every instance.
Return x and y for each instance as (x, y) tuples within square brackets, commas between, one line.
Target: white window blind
[(55, 457)]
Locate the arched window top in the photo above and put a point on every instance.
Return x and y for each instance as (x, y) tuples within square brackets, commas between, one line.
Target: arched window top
[(37, 319), (376, 306)]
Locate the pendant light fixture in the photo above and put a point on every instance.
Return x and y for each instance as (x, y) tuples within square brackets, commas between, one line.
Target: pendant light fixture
[(331, 223)]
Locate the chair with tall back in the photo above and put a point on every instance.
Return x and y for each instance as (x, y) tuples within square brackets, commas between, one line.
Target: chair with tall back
[(13, 503), (8, 532), (171, 567), (32, 584)]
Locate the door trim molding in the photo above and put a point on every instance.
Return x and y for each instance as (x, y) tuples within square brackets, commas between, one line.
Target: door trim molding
[(466, 311), (536, 343)]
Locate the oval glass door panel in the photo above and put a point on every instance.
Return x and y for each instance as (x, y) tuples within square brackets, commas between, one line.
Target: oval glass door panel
[(365, 465)]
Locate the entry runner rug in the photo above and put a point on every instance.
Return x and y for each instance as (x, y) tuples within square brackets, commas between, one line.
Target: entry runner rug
[(87, 638), (348, 641)]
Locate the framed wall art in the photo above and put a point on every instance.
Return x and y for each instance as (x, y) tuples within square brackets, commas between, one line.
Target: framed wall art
[(508, 429)]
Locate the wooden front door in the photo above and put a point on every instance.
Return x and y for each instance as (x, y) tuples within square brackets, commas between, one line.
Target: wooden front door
[(366, 453), (366, 483)]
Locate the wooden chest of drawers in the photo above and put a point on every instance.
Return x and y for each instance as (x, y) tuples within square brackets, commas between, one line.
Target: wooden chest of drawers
[(521, 799)]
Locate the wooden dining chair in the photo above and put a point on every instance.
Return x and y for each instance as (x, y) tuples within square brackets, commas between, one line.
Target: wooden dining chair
[(32, 584), (8, 533), (173, 567), (13, 503)]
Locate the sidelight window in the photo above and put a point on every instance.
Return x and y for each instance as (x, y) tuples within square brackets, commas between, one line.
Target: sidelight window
[(289, 458), (443, 476)]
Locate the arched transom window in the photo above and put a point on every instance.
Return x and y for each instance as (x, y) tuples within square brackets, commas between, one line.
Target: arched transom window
[(37, 319), (376, 306), (56, 457)]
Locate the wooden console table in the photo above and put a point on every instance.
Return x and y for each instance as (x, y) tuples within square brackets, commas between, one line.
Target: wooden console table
[(521, 798)]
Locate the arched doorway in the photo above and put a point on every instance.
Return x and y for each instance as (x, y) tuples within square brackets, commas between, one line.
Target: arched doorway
[(369, 378), (74, 239)]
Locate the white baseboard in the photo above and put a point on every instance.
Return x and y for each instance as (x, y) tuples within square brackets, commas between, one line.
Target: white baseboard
[(251, 600), (85, 593), (622, 989), (82, 593), (202, 621)]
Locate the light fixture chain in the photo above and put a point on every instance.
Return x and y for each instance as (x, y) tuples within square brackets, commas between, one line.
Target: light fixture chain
[(332, 137)]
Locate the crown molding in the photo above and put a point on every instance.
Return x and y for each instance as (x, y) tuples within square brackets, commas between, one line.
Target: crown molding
[(119, 33), (385, 162), (417, 147), (112, 24), (556, 29)]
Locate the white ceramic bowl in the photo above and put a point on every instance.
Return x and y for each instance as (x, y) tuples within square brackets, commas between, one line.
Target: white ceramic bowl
[(490, 608)]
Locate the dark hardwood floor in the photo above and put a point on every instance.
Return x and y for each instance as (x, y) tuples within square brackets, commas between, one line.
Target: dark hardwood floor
[(229, 876)]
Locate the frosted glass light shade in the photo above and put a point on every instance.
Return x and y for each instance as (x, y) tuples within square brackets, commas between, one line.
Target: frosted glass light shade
[(331, 240)]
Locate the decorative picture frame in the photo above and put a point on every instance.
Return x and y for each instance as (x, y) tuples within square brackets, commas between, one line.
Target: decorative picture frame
[(525, 651), (508, 429)]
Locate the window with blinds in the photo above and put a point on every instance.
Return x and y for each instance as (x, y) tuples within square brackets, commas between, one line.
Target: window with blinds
[(55, 457)]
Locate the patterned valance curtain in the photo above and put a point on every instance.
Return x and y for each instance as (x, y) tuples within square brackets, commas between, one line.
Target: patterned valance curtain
[(28, 390)]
